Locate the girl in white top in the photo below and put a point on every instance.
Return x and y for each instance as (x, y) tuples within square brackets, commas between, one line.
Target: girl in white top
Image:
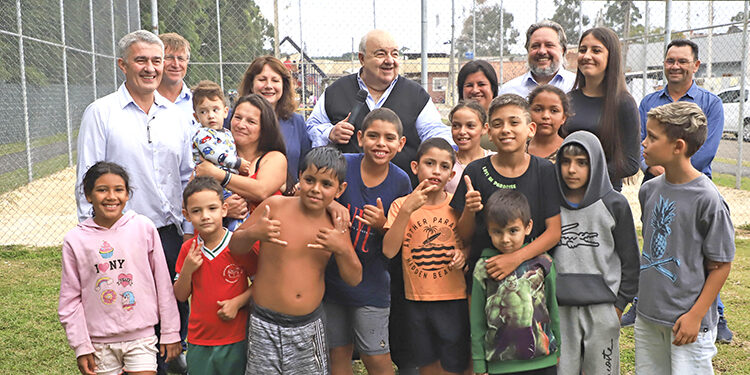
[(468, 123)]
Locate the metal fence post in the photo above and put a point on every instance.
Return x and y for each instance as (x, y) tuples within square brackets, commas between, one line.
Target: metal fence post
[(24, 93), (221, 58), (710, 62), (644, 52), (68, 130), (93, 47), (667, 24), (473, 29), (155, 16), (114, 60), (302, 58), (424, 45), (743, 97), (502, 40)]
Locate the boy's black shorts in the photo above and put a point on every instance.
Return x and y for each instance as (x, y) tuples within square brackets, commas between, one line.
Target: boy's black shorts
[(439, 330)]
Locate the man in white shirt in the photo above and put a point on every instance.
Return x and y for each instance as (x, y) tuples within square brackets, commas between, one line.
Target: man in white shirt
[(546, 45), (176, 58), (147, 135)]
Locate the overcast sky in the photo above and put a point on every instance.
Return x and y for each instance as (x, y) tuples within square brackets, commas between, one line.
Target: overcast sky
[(330, 26)]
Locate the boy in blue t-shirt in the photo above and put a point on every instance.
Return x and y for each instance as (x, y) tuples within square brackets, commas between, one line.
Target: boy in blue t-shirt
[(359, 315)]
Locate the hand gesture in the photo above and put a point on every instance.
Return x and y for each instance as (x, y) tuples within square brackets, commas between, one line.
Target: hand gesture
[(170, 351), (502, 265), (194, 258), (335, 240), (227, 309), (236, 207), (244, 168), (373, 216), (269, 230), (458, 259), (418, 197), (86, 364), (342, 132), (686, 329), (336, 209), (473, 199)]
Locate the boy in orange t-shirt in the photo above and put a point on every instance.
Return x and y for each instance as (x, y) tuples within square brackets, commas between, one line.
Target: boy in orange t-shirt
[(423, 225)]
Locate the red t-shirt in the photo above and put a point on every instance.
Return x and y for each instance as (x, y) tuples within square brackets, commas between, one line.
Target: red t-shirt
[(220, 277)]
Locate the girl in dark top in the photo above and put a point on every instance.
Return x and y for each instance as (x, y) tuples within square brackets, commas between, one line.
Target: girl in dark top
[(550, 108), (602, 104)]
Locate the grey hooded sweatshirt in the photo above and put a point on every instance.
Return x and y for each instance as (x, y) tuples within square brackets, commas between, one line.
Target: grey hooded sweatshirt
[(597, 258)]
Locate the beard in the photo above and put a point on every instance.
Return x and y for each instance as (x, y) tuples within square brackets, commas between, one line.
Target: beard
[(545, 72)]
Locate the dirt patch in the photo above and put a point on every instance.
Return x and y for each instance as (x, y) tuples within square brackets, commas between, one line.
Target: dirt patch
[(40, 213)]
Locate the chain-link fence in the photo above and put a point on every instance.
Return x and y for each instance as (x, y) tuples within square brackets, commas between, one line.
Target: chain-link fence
[(57, 56)]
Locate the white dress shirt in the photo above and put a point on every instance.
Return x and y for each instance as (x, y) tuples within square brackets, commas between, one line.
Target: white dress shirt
[(154, 148), (523, 85)]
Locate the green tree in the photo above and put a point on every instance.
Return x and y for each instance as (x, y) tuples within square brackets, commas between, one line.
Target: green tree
[(566, 14), (488, 32), (245, 34), (738, 17), (615, 13)]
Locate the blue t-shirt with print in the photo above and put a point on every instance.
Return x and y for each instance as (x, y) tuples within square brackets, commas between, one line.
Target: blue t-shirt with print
[(374, 290)]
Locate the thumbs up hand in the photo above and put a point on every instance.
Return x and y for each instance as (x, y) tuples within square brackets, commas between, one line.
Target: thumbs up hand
[(269, 230), (373, 216), (473, 199)]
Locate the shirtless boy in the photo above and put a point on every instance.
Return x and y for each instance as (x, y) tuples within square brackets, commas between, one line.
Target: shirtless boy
[(286, 330)]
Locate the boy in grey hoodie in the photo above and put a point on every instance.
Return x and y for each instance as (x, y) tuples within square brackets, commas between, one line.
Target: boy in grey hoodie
[(597, 259)]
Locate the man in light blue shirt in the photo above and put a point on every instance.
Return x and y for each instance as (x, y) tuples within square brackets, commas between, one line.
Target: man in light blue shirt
[(146, 134), (172, 86), (680, 64), (379, 57), (546, 45)]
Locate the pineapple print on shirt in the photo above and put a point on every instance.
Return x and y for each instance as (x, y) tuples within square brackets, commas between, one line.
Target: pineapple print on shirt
[(662, 216)]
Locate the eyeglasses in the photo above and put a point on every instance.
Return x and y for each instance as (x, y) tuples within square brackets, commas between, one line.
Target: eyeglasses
[(181, 59), (681, 62)]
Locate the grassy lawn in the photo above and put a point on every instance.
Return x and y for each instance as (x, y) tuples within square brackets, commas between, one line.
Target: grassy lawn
[(32, 340), (19, 177), (9, 148), (728, 180)]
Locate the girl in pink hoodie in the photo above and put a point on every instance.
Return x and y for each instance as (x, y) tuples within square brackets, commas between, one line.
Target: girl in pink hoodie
[(115, 284)]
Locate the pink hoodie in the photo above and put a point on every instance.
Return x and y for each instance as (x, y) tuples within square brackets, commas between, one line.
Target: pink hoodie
[(115, 284)]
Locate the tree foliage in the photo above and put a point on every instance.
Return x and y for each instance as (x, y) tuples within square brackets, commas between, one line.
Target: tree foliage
[(488, 32), (615, 13), (245, 33), (566, 14)]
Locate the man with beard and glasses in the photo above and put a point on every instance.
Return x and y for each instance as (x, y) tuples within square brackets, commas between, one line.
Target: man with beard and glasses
[(546, 46)]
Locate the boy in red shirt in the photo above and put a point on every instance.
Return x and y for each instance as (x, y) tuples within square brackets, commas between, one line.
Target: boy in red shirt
[(218, 282)]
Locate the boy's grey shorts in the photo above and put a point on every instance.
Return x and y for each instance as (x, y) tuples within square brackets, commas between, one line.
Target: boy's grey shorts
[(365, 326), (285, 344)]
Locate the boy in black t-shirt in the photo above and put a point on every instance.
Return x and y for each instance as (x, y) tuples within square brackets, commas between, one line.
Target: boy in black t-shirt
[(511, 168)]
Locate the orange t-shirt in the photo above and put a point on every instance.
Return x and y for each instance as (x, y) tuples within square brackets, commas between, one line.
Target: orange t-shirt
[(429, 236)]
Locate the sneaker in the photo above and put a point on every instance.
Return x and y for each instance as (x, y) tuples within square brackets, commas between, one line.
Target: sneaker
[(628, 318), (723, 333)]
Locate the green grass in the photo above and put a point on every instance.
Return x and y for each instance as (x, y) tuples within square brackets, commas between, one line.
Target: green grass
[(19, 177), (728, 180), (729, 161), (10, 148), (33, 342)]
